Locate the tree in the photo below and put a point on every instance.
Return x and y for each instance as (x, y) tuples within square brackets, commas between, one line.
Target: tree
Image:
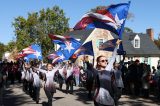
[(10, 46), (2, 50), (36, 27), (128, 30)]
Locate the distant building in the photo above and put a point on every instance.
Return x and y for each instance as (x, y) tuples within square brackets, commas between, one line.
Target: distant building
[(141, 46), (137, 45)]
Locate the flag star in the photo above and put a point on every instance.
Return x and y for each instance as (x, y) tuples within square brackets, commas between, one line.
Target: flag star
[(118, 21), (69, 47), (38, 54), (117, 24), (62, 57), (25, 58)]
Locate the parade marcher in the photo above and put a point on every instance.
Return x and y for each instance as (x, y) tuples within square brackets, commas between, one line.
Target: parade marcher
[(36, 85), (85, 61), (23, 73), (13, 72), (19, 71), (3, 77), (49, 86), (61, 77), (69, 78), (90, 76), (105, 82), (118, 82), (28, 79), (76, 74), (82, 77)]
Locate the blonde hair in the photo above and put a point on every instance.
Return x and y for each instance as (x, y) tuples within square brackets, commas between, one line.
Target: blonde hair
[(97, 60)]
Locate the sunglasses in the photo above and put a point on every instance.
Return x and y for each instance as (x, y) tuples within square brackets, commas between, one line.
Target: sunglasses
[(104, 61)]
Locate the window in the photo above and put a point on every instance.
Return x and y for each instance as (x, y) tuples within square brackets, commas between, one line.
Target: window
[(100, 42), (146, 60), (137, 43)]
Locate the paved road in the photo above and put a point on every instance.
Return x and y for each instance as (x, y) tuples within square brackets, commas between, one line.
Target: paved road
[(14, 96)]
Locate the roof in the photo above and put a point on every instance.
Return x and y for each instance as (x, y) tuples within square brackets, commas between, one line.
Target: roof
[(147, 46), (83, 34), (80, 34)]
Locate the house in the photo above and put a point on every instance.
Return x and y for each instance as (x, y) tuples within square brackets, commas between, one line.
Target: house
[(98, 36), (141, 46), (137, 45)]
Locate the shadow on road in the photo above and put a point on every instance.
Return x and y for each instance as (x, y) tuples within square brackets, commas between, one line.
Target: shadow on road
[(82, 96), (138, 101), (10, 99)]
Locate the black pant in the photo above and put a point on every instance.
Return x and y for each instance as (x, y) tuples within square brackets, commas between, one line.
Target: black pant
[(36, 92), (49, 95), (31, 88), (69, 84)]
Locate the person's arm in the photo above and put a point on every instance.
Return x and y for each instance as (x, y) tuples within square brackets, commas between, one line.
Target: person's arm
[(55, 69), (113, 58), (110, 64), (40, 70)]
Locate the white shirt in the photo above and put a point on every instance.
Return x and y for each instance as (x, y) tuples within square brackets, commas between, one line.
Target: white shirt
[(28, 75), (61, 72), (69, 71), (23, 75), (36, 79), (109, 67), (49, 83)]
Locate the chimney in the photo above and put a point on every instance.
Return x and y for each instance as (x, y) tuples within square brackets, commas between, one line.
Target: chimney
[(150, 33)]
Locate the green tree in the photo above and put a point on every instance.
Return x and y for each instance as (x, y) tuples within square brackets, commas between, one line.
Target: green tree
[(36, 27), (2, 50), (10, 46), (128, 30)]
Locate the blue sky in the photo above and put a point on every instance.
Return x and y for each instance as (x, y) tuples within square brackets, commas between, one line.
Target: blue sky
[(146, 13)]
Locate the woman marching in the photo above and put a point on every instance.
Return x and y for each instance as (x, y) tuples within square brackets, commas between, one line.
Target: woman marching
[(69, 78), (105, 81), (36, 85), (49, 86), (118, 81)]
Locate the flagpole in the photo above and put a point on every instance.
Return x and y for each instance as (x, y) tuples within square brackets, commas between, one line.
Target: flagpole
[(122, 29), (93, 61)]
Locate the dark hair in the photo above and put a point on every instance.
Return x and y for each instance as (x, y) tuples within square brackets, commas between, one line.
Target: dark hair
[(158, 67), (136, 60)]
